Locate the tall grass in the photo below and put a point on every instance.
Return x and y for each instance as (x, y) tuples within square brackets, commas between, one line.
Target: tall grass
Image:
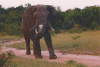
[(88, 41)]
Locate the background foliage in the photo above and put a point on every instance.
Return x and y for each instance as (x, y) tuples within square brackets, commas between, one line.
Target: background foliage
[(72, 20)]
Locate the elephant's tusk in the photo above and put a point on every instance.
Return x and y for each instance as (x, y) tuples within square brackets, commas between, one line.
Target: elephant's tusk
[(52, 29), (36, 30), (40, 27)]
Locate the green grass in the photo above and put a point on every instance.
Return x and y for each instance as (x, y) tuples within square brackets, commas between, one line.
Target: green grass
[(23, 62), (84, 43)]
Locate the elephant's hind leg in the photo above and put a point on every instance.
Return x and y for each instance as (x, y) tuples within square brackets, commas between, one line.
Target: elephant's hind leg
[(27, 44), (48, 40)]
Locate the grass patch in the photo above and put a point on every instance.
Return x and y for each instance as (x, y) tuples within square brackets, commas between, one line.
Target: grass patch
[(74, 64), (24, 62), (86, 43), (22, 45), (0, 47), (6, 37), (76, 37)]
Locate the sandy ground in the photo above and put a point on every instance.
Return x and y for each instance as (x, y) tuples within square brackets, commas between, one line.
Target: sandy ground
[(88, 60)]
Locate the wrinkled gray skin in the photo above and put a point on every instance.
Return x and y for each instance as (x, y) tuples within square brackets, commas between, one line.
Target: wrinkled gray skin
[(35, 25)]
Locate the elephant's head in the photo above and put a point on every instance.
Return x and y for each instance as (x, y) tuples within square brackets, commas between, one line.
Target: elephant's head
[(43, 14)]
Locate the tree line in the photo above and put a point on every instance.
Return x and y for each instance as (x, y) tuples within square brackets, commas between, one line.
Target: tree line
[(78, 19), (73, 20), (10, 19)]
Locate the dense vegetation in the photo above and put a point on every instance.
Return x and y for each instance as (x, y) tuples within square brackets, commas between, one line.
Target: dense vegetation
[(74, 20)]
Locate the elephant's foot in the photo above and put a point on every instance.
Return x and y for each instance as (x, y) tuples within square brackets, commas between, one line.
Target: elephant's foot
[(53, 57), (28, 53), (38, 57)]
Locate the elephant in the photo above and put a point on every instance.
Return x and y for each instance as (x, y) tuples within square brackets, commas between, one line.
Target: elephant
[(36, 25)]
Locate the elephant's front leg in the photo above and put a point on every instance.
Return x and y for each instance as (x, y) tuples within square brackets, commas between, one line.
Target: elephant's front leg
[(27, 44), (34, 48), (37, 49), (48, 40)]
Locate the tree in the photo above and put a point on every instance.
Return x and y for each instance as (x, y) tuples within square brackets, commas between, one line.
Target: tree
[(20, 8), (77, 9), (13, 23), (14, 17), (27, 5)]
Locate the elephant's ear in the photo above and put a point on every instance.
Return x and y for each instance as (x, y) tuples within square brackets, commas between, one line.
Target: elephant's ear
[(52, 17)]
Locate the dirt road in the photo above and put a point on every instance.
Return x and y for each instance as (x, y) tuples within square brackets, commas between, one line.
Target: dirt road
[(88, 60)]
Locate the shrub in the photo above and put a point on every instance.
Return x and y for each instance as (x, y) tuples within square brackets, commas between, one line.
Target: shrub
[(3, 33), (93, 25), (5, 56), (12, 29), (97, 28), (71, 62), (76, 37), (52, 33), (74, 64), (77, 29), (2, 26)]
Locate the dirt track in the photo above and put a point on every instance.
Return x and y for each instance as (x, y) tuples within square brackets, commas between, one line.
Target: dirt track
[(85, 59)]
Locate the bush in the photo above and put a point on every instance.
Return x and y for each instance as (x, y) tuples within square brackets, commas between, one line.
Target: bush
[(12, 29), (97, 28), (71, 62), (74, 64), (93, 25), (3, 33), (77, 29), (52, 33), (2, 26), (74, 31), (76, 37), (5, 56)]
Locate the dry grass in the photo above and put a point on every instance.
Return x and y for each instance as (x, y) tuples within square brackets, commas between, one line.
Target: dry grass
[(9, 37), (85, 43), (0, 47)]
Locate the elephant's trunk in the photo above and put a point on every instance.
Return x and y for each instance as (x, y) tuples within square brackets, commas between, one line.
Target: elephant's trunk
[(38, 34), (39, 30)]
